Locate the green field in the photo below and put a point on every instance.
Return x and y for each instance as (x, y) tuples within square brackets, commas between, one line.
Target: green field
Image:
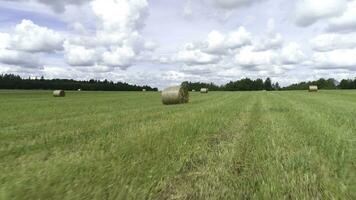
[(223, 145)]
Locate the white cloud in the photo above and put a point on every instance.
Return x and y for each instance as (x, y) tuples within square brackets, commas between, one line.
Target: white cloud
[(4, 40), (218, 43), (231, 4), (17, 58), (120, 57), (117, 41), (345, 22), (150, 45), (220, 52), (332, 41), (58, 6), (120, 16), (195, 56), (215, 43), (310, 11), (216, 46), (336, 59), (187, 9), (247, 57), (265, 43), (272, 40), (21, 46), (30, 37), (292, 54), (80, 55), (201, 69)]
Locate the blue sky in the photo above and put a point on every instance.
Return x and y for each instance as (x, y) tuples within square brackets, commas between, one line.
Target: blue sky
[(161, 43)]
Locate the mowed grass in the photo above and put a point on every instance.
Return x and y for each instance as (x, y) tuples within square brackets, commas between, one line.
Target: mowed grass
[(222, 145)]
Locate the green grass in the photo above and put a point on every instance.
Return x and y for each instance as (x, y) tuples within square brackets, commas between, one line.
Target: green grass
[(223, 145)]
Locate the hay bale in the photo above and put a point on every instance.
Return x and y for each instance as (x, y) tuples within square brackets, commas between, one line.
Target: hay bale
[(59, 93), (144, 90), (79, 90), (204, 90), (313, 88), (193, 91), (175, 95)]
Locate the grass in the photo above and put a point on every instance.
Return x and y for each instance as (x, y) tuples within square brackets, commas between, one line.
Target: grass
[(223, 145)]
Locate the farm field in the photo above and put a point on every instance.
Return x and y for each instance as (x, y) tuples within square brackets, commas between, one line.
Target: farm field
[(222, 145)]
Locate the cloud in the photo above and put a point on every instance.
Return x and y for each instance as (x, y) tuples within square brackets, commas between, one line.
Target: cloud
[(336, 59), (238, 38), (120, 15), (292, 54), (332, 41), (249, 58), (239, 49), (58, 5), (120, 57), (30, 37), (21, 46), (231, 4), (346, 22), (211, 50), (272, 40), (4, 40), (80, 55), (117, 41), (193, 56), (307, 12), (215, 43), (17, 58), (218, 43)]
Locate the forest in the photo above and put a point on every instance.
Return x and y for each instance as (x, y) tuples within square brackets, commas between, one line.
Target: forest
[(11, 81)]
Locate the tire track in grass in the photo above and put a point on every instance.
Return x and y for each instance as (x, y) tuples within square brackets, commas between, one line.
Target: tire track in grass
[(210, 171), (273, 160), (338, 111), (322, 154), (286, 172), (337, 117)]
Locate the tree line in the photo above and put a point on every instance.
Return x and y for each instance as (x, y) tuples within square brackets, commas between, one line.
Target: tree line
[(325, 84), (11, 81), (245, 84)]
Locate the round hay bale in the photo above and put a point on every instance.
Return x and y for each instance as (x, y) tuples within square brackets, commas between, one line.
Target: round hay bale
[(313, 88), (204, 90), (175, 95), (79, 90), (144, 90), (193, 91), (59, 93)]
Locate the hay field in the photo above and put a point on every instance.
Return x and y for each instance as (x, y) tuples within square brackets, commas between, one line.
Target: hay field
[(224, 145)]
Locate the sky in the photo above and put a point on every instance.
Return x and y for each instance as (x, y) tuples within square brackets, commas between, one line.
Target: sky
[(164, 42)]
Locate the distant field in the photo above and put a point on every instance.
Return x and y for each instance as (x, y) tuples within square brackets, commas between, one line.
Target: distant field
[(223, 145)]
